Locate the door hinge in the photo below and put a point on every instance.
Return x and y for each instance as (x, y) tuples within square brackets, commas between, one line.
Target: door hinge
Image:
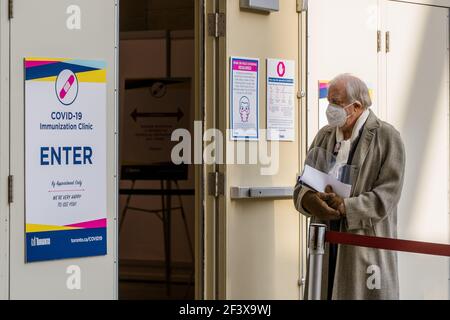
[(301, 282), (216, 25), (10, 189), (10, 9), (378, 41), (388, 41), (216, 184), (302, 5)]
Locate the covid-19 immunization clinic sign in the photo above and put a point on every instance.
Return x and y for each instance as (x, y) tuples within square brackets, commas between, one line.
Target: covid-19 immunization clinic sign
[(65, 151)]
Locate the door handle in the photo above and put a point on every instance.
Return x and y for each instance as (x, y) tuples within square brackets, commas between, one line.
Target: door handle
[(274, 193)]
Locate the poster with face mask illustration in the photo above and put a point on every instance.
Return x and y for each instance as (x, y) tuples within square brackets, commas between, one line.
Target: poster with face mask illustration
[(244, 102)]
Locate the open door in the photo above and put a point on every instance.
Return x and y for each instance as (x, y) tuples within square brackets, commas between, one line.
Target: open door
[(62, 227), (253, 247)]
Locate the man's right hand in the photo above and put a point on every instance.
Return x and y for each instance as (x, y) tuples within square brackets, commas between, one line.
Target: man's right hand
[(319, 208)]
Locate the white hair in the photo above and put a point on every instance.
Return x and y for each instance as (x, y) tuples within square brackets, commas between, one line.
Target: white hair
[(356, 89)]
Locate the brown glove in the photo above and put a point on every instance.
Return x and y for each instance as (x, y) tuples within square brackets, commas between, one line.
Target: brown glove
[(319, 208), (333, 200)]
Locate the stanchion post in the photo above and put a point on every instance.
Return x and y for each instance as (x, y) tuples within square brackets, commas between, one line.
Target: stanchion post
[(316, 246)]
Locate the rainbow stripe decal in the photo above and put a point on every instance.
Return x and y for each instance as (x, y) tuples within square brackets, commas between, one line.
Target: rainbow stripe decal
[(45, 69), (101, 223), (323, 89)]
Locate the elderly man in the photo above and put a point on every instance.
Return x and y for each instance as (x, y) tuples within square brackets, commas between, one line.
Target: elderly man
[(357, 137)]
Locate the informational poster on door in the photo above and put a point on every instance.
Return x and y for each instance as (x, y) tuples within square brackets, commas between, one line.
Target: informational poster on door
[(65, 158), (280, 100), (244, 100)]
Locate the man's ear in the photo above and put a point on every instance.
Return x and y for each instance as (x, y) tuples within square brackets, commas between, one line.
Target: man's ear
[(359, 105)]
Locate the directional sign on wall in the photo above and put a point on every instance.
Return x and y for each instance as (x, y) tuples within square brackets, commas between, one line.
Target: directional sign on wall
[(153, 109)]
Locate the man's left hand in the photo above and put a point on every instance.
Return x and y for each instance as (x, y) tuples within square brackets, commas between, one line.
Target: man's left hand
[(333, 200)]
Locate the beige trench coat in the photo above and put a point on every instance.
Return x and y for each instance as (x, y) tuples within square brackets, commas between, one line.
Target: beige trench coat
[(371, 210)]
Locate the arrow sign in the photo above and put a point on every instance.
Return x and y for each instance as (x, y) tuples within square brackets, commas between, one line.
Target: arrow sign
[(135, 114)]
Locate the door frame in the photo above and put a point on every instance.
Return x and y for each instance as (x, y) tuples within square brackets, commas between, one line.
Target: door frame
[(214, 100), (200, 106), (303, 134), (4, 150)]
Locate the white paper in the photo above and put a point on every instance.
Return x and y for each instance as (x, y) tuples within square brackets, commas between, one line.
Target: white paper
[(319, 180), (280, 99), (244, 103)]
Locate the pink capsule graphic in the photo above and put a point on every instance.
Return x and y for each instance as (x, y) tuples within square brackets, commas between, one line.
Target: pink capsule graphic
[(67, 86)]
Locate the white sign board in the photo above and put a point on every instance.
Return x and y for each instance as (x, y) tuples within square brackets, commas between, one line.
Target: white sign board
[(244, 99), (65, 165), (280, 100), (153, 110)]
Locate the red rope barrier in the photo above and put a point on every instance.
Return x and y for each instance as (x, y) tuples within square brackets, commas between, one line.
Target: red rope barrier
[(435, 249)]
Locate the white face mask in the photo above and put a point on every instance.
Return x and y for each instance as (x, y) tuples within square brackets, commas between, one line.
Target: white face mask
[(336, 115)]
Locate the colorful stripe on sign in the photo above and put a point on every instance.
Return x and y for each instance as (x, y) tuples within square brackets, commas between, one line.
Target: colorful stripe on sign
[(323, 89), (44, 69), (101, 223)]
